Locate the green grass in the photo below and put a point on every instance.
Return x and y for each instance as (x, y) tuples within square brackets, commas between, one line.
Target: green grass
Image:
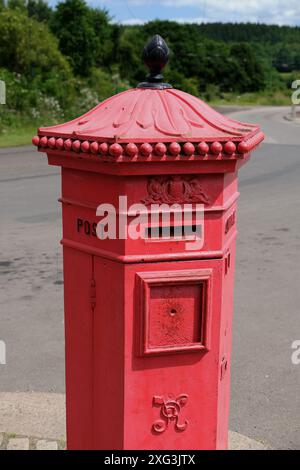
[(61, 444), (253, 99), (17, 136)]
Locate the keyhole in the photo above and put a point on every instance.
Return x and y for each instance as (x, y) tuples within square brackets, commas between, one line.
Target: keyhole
[(173, 312)]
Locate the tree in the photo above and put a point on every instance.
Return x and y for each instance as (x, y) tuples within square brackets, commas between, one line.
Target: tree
[(129, 57), (83, 33), (39, 9), (38, 77), (16, 4), (250, 74), (76, 36), (27, 47), (104, 41)]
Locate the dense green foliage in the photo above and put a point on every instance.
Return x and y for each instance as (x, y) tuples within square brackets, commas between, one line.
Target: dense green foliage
[(92, 44), (57, 63)]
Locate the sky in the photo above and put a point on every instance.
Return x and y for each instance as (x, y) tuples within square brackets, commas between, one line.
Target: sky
[(281, 12)]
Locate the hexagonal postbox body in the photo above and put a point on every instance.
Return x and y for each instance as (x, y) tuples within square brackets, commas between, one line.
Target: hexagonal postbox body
[(148, 320)]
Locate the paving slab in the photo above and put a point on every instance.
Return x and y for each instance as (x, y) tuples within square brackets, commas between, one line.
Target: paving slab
[(18, 443), (240, 442), (46, 445), (33, 414)]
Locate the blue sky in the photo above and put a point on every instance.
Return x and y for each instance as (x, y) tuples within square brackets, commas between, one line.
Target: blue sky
[(262, 11)]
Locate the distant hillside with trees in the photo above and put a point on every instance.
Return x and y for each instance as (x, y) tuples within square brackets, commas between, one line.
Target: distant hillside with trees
[(59, 62)]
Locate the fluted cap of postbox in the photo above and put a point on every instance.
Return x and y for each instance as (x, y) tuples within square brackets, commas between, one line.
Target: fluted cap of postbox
[(152, 120)]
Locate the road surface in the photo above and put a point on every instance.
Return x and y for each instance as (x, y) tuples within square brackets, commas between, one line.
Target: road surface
[(265, 401)]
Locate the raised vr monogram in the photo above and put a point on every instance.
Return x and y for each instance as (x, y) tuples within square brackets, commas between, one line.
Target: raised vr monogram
[(175, 189), (170, 408)]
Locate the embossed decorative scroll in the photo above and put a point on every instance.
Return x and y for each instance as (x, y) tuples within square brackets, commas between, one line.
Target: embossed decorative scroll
[(154, 116), (170, 409), (175, 189)]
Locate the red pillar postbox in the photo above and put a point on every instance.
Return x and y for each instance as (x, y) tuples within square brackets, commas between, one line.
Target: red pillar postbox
[(147, 321)]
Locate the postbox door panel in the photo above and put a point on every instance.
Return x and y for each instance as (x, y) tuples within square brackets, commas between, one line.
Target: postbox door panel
[(173, 380), (157, 357), (78, 274)]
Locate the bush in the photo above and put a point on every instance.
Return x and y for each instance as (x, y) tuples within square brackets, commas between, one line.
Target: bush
[(39, 80), (27, 47)]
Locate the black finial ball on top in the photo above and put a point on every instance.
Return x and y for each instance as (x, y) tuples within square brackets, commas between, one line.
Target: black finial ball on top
[(155, 55)]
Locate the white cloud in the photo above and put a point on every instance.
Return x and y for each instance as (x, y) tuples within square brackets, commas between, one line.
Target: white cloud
[(131, 21), (262, 11)]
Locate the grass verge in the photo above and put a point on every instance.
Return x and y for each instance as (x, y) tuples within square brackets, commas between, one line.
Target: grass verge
[(17, 136)]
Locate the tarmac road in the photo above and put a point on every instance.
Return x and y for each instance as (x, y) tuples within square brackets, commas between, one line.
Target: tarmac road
[(265, 384)]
